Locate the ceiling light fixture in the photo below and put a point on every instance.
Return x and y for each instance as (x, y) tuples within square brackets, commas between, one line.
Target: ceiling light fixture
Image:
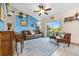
[(42, 11)]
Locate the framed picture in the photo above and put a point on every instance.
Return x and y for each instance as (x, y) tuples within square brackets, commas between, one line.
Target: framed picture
[(23, 23)]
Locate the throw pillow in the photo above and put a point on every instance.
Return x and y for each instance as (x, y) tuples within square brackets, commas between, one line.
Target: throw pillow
[(32, 32), (62, 35), (36, 32)]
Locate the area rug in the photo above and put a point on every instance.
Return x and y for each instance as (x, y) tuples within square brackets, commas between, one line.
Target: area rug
[(38, 47)]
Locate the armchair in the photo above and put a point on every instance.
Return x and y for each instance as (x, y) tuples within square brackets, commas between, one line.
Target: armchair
[(66, 39)]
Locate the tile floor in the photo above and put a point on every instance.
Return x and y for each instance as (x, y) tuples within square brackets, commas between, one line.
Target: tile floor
[(64, 50), (38, 47)]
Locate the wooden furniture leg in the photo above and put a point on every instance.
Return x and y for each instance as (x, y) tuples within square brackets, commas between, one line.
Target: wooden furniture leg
[(68, 44), (19, 38), (16, 48), (57, 42), (21, 46)]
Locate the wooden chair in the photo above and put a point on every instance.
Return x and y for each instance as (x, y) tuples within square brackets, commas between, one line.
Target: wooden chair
[(66, 39)]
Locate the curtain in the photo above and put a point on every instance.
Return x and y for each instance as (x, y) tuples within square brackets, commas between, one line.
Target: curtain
[(1, 13)]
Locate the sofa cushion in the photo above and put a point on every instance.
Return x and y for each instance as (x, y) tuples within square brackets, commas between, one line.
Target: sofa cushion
[(32, 32), (62, 35), (26, 32), (37, 32)]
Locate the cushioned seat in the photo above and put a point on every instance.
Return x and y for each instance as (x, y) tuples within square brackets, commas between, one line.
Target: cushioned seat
[(32, 34), (65, 39)]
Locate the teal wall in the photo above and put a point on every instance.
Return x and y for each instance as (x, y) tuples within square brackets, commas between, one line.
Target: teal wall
[(1, 26), (29, 26)]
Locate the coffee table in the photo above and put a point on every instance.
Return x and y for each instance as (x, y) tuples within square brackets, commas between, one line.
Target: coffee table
[(58, 38)]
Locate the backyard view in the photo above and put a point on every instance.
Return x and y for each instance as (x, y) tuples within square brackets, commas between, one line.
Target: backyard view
[(53, 27)]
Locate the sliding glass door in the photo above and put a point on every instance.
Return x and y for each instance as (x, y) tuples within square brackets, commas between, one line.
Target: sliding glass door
[(53, 27)]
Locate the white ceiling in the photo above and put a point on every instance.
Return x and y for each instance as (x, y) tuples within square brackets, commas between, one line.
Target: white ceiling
[(57, 8)]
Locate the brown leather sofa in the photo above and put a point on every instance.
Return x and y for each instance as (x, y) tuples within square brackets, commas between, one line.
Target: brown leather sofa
[(28, 35)]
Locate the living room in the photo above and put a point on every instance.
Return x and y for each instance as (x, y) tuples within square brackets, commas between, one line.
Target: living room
[(42, 26)]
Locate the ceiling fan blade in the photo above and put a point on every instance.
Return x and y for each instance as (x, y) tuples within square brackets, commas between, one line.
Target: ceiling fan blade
[(48, 9), (40, 6), (35, 11), (39, 14), (46, 13), (76, 14)]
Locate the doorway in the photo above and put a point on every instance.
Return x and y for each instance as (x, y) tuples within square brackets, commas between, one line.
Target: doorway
[(53, 27)]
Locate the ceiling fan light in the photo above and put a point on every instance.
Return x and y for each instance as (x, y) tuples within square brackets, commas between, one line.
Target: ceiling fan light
[(42, 11)]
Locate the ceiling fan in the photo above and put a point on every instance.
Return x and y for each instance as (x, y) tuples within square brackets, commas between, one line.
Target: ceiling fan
[(42, 10), (75, 17), (72, 18)]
